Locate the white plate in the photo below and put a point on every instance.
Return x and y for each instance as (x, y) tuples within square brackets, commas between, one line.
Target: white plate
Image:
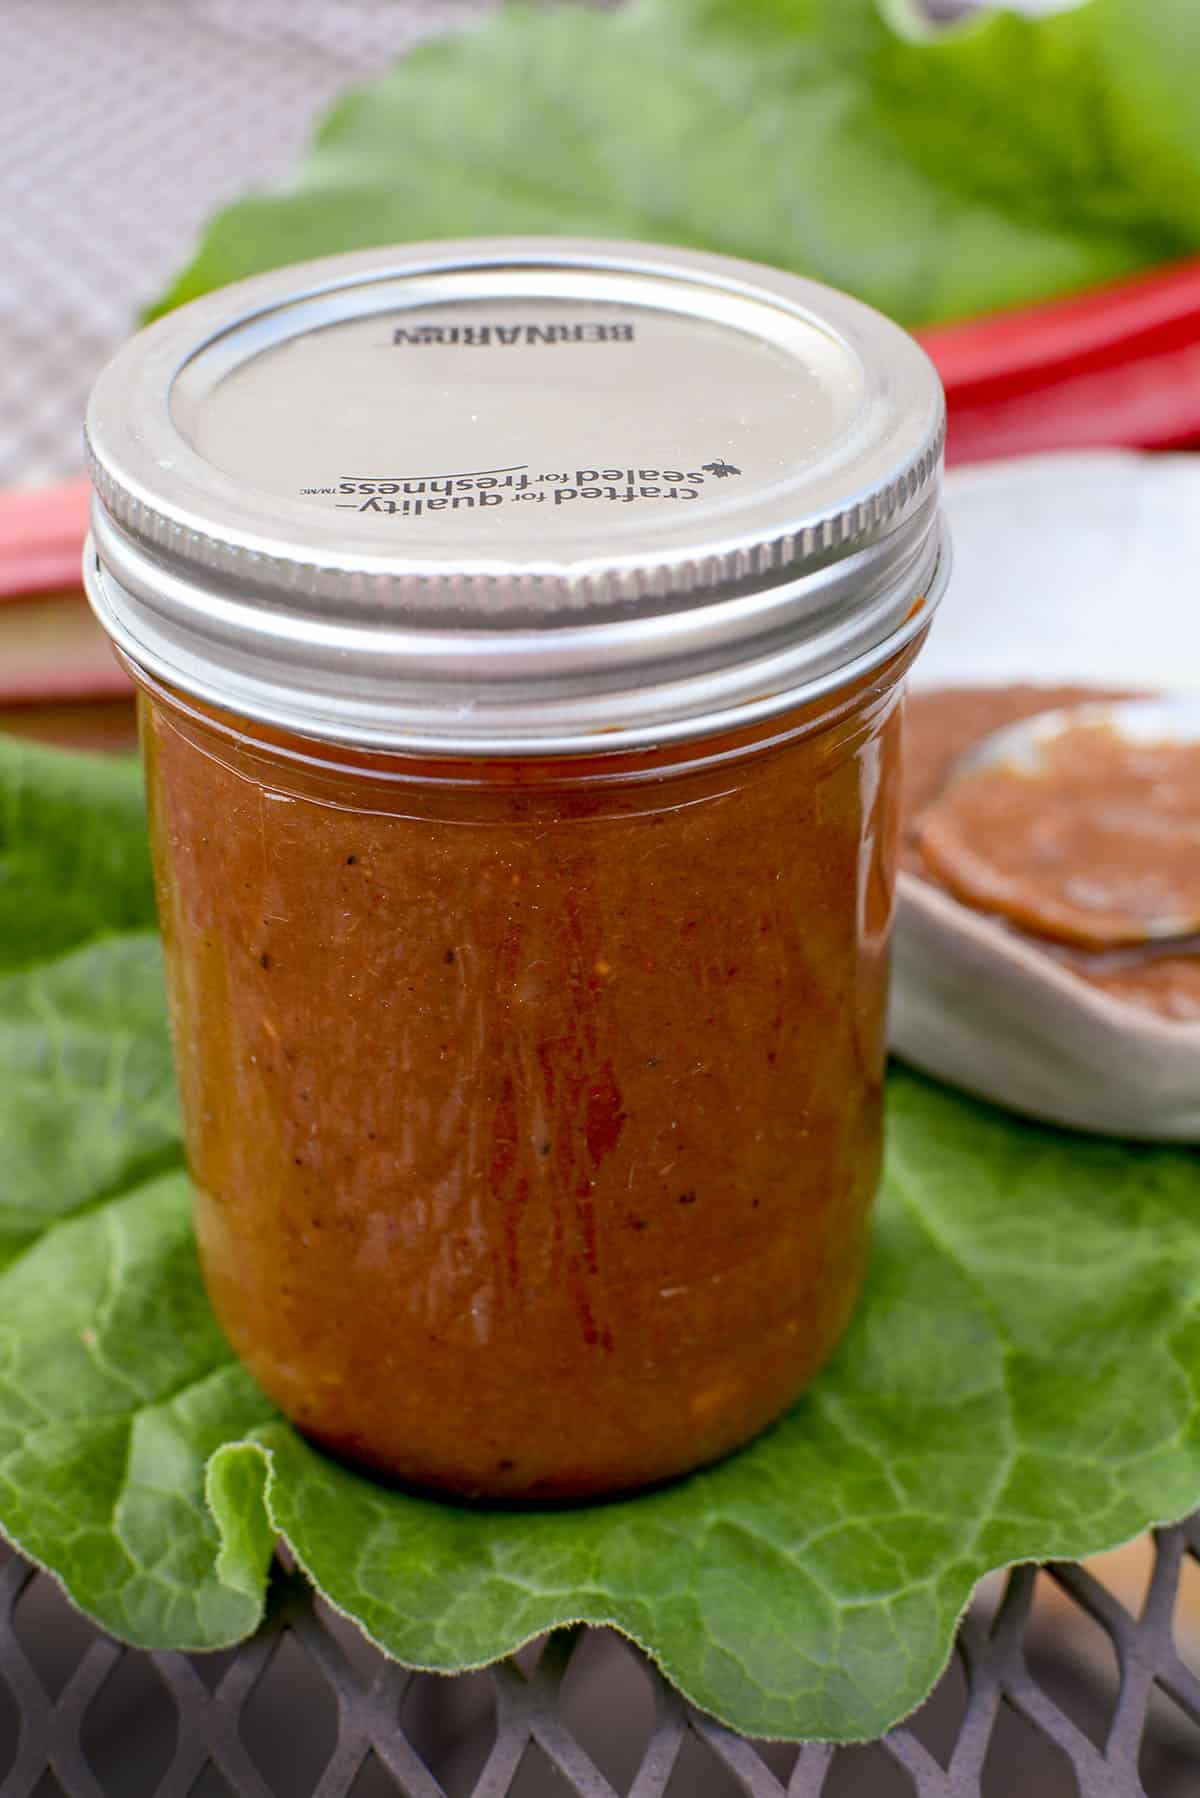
[(1068, 568)]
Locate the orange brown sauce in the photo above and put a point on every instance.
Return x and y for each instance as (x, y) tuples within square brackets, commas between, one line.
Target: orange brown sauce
[(1077, 857), (534, 1111)]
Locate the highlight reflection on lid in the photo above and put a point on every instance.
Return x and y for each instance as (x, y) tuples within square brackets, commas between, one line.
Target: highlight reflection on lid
[(504, 495)]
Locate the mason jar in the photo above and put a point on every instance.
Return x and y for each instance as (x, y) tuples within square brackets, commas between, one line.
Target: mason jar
[(520, 629)]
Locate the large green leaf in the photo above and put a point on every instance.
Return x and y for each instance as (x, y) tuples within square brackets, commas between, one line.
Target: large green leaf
[(934, 174), (73, 864), (1022, 1380)]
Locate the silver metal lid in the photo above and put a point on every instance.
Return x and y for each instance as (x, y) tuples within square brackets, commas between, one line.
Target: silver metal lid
[(516, 495)]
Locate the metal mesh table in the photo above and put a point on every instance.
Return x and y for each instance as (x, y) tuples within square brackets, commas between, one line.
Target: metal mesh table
[(309, 1710)]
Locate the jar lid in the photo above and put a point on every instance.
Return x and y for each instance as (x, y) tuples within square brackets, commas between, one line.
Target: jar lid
[(518, 496)]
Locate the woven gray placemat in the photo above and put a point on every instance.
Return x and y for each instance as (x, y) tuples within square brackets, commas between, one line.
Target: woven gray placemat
[(123, 123)]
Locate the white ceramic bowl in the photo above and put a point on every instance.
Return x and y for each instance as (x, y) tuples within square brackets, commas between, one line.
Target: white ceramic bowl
[(1070, 568)]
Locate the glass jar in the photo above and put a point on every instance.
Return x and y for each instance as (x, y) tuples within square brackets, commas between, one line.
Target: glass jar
[(525, 866)]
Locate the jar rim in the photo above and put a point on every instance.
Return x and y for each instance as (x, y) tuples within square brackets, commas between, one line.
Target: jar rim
[(599, 767)]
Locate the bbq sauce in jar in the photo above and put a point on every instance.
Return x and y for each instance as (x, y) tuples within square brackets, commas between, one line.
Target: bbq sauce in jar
[(521, 629)]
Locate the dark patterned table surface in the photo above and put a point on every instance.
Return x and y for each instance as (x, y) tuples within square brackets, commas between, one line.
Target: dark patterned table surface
[(1078, 1695)]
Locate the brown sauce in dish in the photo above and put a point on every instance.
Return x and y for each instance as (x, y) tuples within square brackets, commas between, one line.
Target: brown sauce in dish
[(1097, 846), (1164, 980), (1079, 856), (533, 1109)]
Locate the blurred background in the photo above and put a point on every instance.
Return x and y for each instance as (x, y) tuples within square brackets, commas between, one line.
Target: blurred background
[(1023, 189), (1020, 187), (125, 125)]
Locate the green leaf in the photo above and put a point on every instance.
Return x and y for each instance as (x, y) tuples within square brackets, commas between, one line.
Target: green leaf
[(88, 1102), (936, 175), (73, 858), (115, 1388), (1022, 1381)]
